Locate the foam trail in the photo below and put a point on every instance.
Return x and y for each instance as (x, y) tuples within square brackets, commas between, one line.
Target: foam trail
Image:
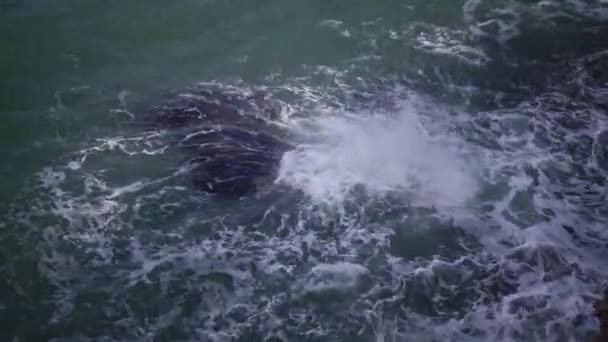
[(382, 153)]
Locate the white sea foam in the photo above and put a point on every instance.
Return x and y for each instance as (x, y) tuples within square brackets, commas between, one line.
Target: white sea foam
[(443, 41), (381, 153), (339, 276)]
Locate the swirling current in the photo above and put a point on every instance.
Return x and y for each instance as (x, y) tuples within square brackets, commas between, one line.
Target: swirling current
[(403, 170)]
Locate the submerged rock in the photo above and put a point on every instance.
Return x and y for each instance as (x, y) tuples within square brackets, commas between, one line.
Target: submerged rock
[(230, 136), (601, 312)]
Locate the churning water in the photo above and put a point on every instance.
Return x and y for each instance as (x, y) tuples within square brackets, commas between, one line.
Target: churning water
[(440, 175)]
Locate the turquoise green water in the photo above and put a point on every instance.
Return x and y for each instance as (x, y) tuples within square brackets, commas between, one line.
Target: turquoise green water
[(446, 180)]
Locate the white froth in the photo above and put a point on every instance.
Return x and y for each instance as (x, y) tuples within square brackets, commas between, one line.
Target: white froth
[(335, 25), (381, 153), (442, 41), (342, 275)]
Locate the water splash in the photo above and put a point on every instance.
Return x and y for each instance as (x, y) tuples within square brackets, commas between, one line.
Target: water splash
[(382, 154)]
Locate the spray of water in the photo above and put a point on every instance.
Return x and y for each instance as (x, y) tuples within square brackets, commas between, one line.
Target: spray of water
[(381, 153)]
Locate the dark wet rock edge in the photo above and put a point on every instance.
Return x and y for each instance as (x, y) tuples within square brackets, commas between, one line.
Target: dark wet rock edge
[(601, 312)]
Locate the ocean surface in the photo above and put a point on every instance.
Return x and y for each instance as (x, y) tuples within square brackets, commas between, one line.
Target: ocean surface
[(445, 181)]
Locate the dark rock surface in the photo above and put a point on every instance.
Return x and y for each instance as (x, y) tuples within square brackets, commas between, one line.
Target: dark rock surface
[(234, 147), (601, 312)]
